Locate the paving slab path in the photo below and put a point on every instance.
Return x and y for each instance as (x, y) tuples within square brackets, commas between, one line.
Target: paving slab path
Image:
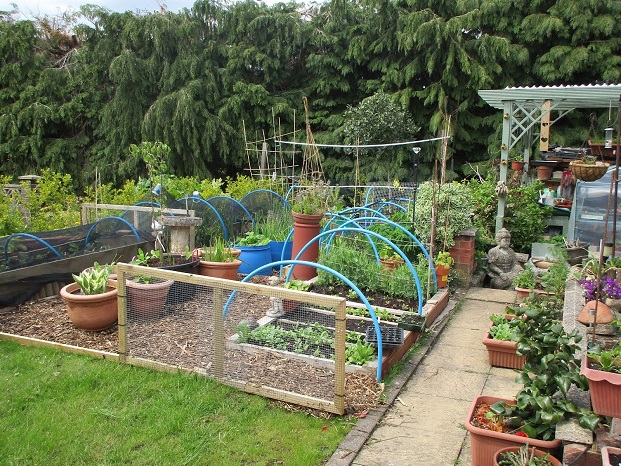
[(422, 423)]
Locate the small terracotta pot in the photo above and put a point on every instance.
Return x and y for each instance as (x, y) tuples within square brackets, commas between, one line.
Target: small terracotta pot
[(442, 274), (604, 389), (517, 166), (544, 173)]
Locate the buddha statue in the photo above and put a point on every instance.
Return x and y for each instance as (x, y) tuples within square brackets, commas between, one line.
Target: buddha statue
[(502, 263)]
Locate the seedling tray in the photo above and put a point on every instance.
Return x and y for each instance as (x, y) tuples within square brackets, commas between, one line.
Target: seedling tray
[(392, 337)]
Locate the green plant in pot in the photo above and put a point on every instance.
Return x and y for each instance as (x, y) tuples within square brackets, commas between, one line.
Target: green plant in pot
[(525, 456), (550, 369), (602, 368), (443, 263), (219, 260), (92, 299), (147, 295), (316, 199), (255, 252), (501, 341)]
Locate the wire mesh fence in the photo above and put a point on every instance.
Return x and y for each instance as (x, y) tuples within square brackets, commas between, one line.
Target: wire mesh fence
[(283, 344)]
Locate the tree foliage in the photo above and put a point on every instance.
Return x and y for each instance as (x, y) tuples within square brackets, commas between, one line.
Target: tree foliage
[(74, 96)]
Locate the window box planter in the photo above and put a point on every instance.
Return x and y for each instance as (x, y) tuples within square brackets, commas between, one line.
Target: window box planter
[(503, 353), (604, 388)]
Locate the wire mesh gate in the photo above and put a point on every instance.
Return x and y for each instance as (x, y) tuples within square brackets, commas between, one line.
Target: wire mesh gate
[(177, 321)]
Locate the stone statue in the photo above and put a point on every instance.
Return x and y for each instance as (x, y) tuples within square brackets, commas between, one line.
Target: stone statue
[(502, 263)]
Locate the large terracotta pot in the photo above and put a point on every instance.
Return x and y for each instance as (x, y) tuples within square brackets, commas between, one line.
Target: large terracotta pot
[(227, 270), (538, 453), (305, 228), (485, 443), (91, 312), (147, 300), (604, 389)]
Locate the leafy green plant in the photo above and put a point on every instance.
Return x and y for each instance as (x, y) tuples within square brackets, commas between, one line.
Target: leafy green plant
[(94, 280), (359, 353), (524, 216), (444, 258), (550, 369), (526, 279), (299, 285), (502, 328), (608, 360), (252, 238), (316, 199), (219, 251), (453, 203)]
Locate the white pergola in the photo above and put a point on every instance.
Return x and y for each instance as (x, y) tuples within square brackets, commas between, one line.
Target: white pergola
[(526, 116)]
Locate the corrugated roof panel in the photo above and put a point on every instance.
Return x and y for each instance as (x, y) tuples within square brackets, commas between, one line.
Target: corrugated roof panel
[(565, 97)]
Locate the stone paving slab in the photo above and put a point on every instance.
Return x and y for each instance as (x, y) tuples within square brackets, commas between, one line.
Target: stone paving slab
[(424, 423)]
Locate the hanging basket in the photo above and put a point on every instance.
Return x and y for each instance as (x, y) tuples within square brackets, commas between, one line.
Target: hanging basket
[(588, 171)]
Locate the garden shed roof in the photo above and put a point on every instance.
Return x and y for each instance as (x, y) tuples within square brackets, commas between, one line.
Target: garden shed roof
[(564, 97)]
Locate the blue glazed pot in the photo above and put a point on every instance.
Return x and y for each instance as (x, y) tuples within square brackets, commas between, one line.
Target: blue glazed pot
[(276, 248)]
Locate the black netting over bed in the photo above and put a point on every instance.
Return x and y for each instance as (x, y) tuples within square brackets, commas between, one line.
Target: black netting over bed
[(25, 249), (263, 203)]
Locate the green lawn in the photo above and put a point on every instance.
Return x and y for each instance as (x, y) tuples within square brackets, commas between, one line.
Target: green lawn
[(64, 409)]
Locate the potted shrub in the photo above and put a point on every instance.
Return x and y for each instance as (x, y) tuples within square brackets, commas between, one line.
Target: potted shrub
[(517, 161), (524, 456), (92, 299), (550, 369), (443, 263), (255, 252), (501, 342), (219, 260), (602, 368), (147, 295)]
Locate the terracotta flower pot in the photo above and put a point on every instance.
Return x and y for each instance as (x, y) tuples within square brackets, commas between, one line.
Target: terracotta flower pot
[(485, 443), (91, 312), (227, 270), (305, 228), (442, 274), (147, 300), (604, 313), (502, 353), (604, 388), (611, 456), (517, 166), (544, 172), (538, 453)]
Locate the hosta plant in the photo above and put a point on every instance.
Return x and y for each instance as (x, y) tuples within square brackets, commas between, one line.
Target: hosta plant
[(94, 280)]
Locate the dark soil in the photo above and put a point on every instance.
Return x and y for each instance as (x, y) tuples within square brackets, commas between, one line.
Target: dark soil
[(374, 298)]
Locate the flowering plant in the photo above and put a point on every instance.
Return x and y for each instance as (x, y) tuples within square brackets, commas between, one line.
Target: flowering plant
[(609, 288)]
